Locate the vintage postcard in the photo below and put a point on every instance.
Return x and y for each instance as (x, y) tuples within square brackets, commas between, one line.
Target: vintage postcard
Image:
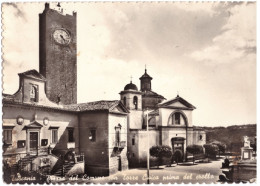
[(130, 92)]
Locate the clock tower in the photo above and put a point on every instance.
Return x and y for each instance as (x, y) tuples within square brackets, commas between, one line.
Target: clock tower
[(58, 54)]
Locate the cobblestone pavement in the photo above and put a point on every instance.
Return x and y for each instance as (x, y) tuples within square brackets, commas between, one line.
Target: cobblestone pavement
[(183, 173)]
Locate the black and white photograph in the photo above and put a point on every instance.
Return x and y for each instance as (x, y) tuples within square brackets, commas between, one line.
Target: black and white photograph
[(129, 92)]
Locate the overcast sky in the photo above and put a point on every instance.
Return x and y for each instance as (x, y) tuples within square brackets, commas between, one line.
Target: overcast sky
[(204, 51)]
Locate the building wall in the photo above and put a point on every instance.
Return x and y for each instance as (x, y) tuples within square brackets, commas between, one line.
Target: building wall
[(96, 152), (135, 119), (150, 102), (59, 119), (117, 154), (190, 134), (142, 144), (132, 149), (196, 137)]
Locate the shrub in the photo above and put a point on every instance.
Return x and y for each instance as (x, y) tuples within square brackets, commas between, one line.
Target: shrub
[(211, 150), (161, 152), (194, 149), (221, 147)]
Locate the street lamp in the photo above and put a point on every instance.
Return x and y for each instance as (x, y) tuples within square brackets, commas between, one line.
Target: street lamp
[(148, 149)]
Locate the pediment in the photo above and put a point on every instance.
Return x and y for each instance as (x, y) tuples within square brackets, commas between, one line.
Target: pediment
[(33, 125), (177, 104), (118, 109)]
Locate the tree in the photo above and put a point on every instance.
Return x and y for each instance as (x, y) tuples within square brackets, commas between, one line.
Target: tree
[(211, 150), (221, 147), (160, 152), (177, 156), (194, 149), (253, 144)]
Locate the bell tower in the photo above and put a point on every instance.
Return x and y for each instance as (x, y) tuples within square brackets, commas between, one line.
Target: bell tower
[(146, 84), (58, 54), (131, 97)]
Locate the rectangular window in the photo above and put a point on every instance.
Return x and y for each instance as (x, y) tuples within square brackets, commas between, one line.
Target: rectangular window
[(44, 142), (177, 118), (7, 136), (117, 138), (54, 135), (133, 141), (21, 144), (118, 135), (92, 135), (70, 135)]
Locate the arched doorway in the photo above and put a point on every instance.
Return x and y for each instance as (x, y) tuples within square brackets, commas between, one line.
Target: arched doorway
[(178, 145)]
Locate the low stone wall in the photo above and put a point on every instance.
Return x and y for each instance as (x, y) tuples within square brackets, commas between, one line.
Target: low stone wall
[(97, 170)]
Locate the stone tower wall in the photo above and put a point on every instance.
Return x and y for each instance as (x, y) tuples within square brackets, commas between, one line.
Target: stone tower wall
[(58, 63)]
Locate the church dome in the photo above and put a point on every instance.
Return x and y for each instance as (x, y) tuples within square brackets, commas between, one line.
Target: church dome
[(131, 86)]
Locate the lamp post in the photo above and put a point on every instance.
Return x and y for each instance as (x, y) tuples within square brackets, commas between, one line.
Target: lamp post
[(148, 149)]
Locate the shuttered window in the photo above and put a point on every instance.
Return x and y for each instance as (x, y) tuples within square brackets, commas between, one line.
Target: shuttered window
[(8, 136), (54, 135)]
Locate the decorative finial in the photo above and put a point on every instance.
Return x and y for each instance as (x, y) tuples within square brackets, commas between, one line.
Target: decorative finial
[(131, 79), (145, 68), (177, 93)]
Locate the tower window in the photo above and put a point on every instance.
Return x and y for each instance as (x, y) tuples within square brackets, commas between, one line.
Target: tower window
[(136, 102), (33, 93), (92, 136), (133, 141), (125, 101), (70, 135), (200, 137)]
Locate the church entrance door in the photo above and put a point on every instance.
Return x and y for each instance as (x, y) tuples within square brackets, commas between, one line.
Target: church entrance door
[(178, 148)]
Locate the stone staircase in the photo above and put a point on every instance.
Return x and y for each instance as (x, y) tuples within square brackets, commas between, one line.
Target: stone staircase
[(63, 169), (14, 169), (26, 161)]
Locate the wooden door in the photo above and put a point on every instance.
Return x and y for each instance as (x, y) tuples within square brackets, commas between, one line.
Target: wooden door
[(33, 141)]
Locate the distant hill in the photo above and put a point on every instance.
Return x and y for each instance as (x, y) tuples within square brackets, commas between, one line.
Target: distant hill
[(231, 135)]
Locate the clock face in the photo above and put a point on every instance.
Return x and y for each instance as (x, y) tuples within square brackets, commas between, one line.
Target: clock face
[(61, 36)]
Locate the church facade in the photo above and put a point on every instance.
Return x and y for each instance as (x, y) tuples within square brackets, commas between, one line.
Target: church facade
[(169, 122), (46, 130)]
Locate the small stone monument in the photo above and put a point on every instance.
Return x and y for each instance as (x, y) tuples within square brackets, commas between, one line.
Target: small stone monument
[(246, 151)]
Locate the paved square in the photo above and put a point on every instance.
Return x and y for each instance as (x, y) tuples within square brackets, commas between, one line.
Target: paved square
[(201, 172)]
